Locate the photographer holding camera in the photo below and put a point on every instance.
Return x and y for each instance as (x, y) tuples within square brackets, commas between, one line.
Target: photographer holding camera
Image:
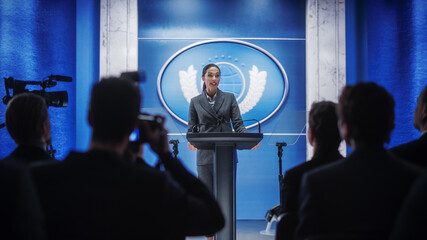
[(99, 195)]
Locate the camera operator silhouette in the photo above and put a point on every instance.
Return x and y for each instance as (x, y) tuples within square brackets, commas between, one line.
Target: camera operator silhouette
[(27, 121), (99, 195)]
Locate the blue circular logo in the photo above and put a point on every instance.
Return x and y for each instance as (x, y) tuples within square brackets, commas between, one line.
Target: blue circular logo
[(252, 74)]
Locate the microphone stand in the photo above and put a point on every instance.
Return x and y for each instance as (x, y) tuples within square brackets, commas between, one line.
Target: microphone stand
[(259, 124), (175, 153), (174, 147)]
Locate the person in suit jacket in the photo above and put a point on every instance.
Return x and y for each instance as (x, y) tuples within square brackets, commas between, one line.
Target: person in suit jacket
[(21, 217), (100, 195), (212, 111), (412, 219), (324, 136), (27, 122), (416, 151), (360, 196)]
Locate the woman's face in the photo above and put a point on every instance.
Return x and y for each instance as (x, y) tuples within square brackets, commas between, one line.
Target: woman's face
[(211, 78)]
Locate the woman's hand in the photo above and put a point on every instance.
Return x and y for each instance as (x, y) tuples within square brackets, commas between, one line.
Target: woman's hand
[(255, 147), (191, 147)]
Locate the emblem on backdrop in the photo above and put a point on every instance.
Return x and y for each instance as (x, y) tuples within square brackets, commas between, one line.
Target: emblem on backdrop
[(252, 74)]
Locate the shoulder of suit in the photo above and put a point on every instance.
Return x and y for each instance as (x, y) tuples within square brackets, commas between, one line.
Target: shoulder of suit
[(298, 168), (406, 146), (197, 97), (225, 94), (326, 170)]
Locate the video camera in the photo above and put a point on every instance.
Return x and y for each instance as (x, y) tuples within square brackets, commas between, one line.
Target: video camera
[(54, 99)]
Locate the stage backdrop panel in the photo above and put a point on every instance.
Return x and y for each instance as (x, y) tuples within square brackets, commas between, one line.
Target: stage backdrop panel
[(387, 44), (262, 40), (37, 39)]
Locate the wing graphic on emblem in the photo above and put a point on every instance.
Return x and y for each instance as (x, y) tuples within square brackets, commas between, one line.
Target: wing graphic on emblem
[(187, 80), (256, 89)]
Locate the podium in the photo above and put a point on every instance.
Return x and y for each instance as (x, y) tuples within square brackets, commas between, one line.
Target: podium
[(225, 145)]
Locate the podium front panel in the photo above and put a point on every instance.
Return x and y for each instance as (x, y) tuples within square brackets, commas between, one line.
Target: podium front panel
[(225, 145)]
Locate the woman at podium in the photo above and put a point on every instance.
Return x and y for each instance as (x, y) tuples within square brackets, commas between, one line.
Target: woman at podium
[(211, 111)]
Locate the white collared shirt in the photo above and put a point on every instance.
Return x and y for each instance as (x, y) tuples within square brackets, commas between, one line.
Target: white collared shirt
[(211, 100)]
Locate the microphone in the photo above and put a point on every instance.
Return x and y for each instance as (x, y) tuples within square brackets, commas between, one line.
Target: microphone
[(196, 128), (60, 78), (259, 124), (50, 81)]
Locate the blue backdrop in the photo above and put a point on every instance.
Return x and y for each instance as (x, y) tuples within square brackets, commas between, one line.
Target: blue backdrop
[(38, 38), (165, 27), (43, 37), (387, 44)]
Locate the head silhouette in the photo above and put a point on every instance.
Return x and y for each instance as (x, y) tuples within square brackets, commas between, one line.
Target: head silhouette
[(27, 119), (367, 110), (323, 122), (420, 112), (113, 109)]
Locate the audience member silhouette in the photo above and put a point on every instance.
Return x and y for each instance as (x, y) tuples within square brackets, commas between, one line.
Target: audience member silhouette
[(20, 214), (412, 219), (416, 151), (324, 136), (27, 122), (358, 197), (99, 195)]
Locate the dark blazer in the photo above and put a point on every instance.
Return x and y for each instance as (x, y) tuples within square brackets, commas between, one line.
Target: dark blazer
[(20, 213), (414, 151), (30, 156), (357, 196), (216, 119), (293, 177), (97, 195), (290, 190), (412, 219)]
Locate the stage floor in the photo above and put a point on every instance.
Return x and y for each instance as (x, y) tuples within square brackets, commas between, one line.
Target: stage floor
[(248, 230)]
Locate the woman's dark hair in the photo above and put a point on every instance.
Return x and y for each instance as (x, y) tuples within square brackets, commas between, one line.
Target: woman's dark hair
[(205, 69)]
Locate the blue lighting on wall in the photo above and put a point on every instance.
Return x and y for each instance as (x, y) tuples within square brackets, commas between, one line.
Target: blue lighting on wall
[(38, 39), (387, 44)]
